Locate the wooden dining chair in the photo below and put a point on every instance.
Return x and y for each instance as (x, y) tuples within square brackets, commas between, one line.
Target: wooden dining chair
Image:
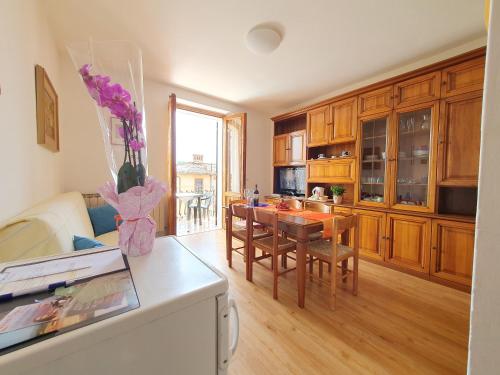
[(273, 246), (293, 203), (332, 252), (240, 232)]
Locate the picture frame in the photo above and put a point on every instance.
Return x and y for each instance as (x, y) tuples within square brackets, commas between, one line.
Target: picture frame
[(47, 111)]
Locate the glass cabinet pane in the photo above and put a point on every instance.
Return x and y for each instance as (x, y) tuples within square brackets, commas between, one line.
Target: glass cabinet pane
[(373, 159), (414, 143)]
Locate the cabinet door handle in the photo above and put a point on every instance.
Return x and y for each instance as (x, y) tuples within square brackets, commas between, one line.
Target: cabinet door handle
[(434, 248)]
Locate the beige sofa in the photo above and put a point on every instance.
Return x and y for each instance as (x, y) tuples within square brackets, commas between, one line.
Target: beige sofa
[(48, 228)]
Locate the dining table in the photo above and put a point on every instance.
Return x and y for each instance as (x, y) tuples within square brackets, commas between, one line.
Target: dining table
[(300, 224)]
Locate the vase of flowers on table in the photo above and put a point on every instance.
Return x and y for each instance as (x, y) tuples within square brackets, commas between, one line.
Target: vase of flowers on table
[(120, 111)]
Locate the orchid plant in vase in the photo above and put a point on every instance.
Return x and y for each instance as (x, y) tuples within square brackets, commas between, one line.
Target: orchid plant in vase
[(120, 111)]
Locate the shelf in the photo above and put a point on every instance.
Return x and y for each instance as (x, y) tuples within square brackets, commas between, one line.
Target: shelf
[(406, 184), (372, 183), (375, 137), (373, 161), (411, 158)]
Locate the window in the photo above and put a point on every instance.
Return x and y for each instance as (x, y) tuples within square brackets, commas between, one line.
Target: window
[(198, 185)]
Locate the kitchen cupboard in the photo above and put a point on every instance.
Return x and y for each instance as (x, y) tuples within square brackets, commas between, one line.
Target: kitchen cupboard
[(344, 121), (376, 101), (280, 151), (290, 149), (371, 227), (408, 242), (462, 78), (318, 122), (459, 140), (340, 171), (452, 251), (421, 89)]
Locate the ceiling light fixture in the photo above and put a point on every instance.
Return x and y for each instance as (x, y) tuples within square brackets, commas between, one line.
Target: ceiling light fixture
[(262, 40)]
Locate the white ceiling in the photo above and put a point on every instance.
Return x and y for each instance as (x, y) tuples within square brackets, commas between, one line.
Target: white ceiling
[(327, 44)]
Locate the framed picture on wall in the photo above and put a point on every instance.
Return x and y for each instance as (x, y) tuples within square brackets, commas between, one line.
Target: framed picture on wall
[(114, 126), (47, 111)]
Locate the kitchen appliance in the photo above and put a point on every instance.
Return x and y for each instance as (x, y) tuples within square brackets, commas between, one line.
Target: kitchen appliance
[(186, 324), (318, 192), (292, 181)]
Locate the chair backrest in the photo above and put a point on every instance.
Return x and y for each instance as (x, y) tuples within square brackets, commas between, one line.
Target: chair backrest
[(345, 223), (318, 207), (238, 210), (293, 203), (267, 218)]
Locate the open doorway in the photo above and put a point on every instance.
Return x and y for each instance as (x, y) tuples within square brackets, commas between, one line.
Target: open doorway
[(198, 171), (198, 199)]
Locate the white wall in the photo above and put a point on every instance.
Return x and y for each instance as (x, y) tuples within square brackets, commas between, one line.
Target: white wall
[(30, 173), (484, 341), (84, 161)]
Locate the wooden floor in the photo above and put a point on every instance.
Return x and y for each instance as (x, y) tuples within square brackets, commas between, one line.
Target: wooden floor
[(398, 324)]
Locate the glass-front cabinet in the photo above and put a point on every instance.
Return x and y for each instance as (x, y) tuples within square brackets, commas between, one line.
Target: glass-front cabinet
[(373, 190), (397, 150), (413, 180)]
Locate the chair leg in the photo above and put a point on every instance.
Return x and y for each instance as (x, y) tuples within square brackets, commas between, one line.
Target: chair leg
[(320, 269), (229, 251), (329, 268), (275, 276), (285, 261), (333, 287), (311, 267), (344, 270), (355, 275)]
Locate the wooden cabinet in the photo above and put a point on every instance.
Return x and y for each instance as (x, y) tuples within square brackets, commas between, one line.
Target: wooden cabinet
[(280, 149), (297, 147), (290, 149), (463, 78), (417, 90), (408, 242), (452, 251), (374, 102), (459, 140), (371, 233), (412, 150), (344, 118), (318, 122), (342, 171)]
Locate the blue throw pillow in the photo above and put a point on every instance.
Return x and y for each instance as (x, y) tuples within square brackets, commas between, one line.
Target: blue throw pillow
[(103, 219), (82, 243)]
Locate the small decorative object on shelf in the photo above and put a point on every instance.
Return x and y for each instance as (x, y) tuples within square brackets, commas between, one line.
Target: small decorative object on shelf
[(120, 111), (338, 192)]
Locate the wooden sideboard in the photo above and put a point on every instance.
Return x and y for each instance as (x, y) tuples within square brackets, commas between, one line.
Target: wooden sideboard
[(411, 171)]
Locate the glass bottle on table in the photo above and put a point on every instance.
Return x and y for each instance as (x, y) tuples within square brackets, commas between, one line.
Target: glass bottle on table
[(256, 196)]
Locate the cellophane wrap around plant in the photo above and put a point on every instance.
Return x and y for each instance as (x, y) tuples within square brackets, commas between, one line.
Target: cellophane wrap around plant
[(112, 75)]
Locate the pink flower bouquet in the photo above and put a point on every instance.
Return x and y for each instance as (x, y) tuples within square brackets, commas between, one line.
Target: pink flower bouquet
[(120, 110)]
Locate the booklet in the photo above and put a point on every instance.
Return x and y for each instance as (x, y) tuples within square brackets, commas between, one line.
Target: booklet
[(68, 308)]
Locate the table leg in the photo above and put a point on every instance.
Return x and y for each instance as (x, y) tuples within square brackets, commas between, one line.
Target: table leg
[(301, 271), (199, 210)]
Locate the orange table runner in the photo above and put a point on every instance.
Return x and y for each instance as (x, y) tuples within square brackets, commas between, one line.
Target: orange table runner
[(326, 219)]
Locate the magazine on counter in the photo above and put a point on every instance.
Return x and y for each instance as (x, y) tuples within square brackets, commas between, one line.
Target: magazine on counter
[(68, 308)]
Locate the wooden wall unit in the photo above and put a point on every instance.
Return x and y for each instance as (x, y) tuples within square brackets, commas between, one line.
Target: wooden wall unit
[(428, 124), (280, 149), (290, 149)]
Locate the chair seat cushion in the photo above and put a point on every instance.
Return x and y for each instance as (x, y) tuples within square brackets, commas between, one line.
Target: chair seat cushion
[(322, 249), (242, 224), (257, 233), (267, 243)]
